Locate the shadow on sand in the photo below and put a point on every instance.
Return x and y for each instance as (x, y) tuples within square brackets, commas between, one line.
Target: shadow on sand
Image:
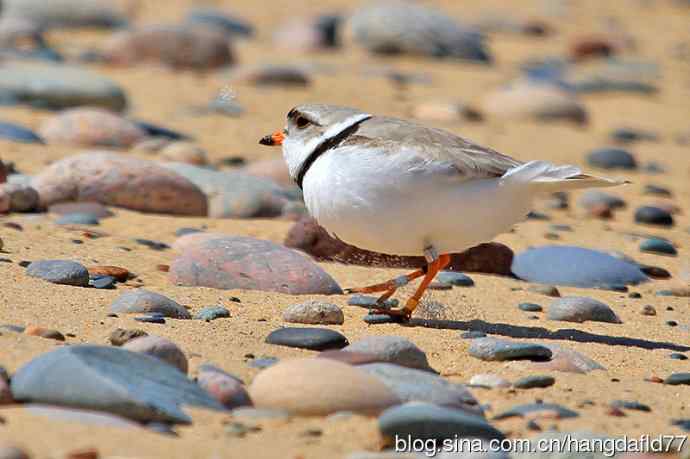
[(568, 334)]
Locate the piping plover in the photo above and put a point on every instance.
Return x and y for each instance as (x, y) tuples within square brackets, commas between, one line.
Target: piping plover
[(392, 186)]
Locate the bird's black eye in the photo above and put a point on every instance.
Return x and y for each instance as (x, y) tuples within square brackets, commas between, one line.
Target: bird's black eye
[(301, 122)]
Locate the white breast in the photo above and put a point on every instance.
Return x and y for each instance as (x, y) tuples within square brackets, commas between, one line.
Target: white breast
[(391, 203)]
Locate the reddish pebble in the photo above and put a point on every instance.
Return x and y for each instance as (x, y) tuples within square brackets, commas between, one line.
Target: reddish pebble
[(84, 453), (613, 411), (120, 274), (654, 379), (44, 333), (163, 268)]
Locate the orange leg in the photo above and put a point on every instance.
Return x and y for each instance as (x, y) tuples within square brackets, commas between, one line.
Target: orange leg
[(433, 268)]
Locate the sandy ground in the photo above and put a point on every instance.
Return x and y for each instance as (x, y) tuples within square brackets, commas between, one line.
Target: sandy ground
[(162, 96)]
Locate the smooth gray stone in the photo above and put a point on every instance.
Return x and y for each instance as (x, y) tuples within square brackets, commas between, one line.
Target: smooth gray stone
[(63, 272), (529, 382), (412, 385), (315, 339), (392, 349), (141, 300), (426, 421), (110, 379), (58, 86), (576, 267), (211, 313), (77, 219), (581, 309), (612, 158), (677, 379), (493, 349)]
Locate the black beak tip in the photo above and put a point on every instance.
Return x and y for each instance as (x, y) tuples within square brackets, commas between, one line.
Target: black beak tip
[(266, 140)]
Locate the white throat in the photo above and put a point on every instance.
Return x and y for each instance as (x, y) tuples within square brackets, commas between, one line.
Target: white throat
[(296, 153)]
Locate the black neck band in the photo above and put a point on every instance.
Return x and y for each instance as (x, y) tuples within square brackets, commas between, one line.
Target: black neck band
[(324, 146)]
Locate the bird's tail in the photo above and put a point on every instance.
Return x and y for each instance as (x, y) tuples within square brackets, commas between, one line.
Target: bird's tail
[(546, 177)]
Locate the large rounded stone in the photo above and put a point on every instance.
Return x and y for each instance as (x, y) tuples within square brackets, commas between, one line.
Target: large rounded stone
[(392, 27), (178, 46), (319, 387), (392, 349), (109, 379), (544, 102), (119, 180), (60, 272), (575, 266), (230, 262), (91, 127), (58, 86), (160, 348), (141, 300)]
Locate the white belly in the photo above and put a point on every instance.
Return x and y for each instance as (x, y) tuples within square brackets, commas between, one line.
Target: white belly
[(380, 203)]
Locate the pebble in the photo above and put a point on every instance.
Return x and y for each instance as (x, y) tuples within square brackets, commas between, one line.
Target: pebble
[(411, 384), (77, 219), (630, 135), (16, 133), (657, 190), (412, 28), (210, 313), (595, 199), (473, 334), (682, 292), (109, 379), (581, 309), (205, 48), (47, 333), (162, 133), (530, 307), (612, 158), (272, 75), (179, 232), (530, 382), (319, 387), (315, 339), (576, 267), (547, 290), (151, 318), (184, 152), (58, 86), (230, 25), (562, 359), (493, 349), (613, 75), (120, 336), (425, 421), (379, 319), (160, 348), (237, 262), (18, 197), (454, 279), (653, 216), (90, 127), (540, 410), (224, 387), (678, 356), (141, 184), (309, 34), (489, 380), (234, 194), (370, 302), (529, 100), (630, 405), (658, 246), (392, 349), (314, 312), (153, 245), (141, 300), (63, 272), (678, 379)]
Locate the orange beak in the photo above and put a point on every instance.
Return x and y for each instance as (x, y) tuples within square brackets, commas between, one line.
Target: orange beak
[(274, 139)]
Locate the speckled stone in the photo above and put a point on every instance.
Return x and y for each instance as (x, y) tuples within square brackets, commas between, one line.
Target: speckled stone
[(120, 336), (314, 312)]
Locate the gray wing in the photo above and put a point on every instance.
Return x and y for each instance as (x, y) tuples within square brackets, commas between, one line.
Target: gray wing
[(433, 145)]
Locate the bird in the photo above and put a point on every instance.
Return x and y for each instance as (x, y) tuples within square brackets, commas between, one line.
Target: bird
[(394, 186)]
